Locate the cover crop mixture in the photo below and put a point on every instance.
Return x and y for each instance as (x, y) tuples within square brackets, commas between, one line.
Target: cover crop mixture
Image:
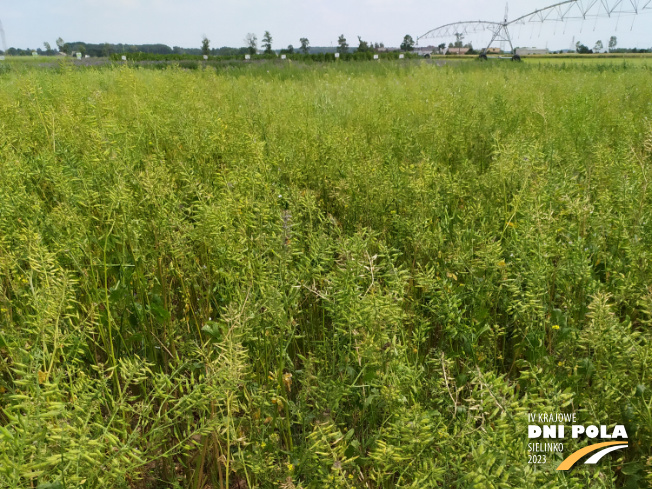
[(363, 275)]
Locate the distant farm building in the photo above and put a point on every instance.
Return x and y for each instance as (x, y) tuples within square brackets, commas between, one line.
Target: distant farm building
[(530, 51), (426, 50)]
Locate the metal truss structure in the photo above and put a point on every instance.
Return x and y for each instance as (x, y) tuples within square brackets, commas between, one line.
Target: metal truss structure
[(2, 37), (560, 12)]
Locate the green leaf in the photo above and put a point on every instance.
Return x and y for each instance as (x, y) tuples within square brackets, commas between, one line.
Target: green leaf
[(50, 485)]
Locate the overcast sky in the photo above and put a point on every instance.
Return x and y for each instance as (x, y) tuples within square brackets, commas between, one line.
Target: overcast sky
[(28, 23)]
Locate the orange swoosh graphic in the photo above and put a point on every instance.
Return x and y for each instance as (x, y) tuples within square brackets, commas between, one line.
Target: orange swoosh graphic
[(575, 456)]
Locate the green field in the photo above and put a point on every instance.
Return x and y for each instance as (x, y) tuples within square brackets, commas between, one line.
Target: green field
[(360, 275)]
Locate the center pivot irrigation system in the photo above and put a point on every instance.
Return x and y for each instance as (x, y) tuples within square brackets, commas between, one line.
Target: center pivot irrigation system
[(560, 12)]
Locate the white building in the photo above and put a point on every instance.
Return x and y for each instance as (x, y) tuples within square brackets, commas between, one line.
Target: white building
[(530, 51)]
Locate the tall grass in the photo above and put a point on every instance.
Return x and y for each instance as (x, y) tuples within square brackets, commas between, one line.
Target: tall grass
[(355, 275)]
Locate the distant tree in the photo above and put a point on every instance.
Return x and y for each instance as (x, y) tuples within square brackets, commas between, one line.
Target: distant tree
[(205, 46), (227, 51), (459, 37), (581, 48), (363, 46), (82, 49), (441, 47), (408, 43), (613, 41), (342, 45), (60, 44), (48, 48), (598, 46), (305, 45), (107, 49), (290, 49), (251, 42), (267, 42)]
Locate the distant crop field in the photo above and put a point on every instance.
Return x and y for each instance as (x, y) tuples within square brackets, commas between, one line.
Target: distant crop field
[(569, 58), (359, 275), (632, 60), (29, 59)]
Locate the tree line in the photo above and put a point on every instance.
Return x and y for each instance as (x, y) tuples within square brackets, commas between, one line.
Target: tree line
[(250, 47), (612, 47), (107, 49)]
